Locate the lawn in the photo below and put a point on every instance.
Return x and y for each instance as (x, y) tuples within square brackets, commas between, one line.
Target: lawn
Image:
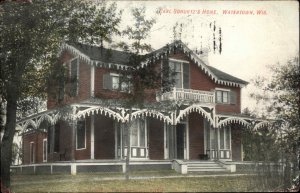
[(116, 183)]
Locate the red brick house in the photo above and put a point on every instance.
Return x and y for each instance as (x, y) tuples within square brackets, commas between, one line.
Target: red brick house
[(199, 118)]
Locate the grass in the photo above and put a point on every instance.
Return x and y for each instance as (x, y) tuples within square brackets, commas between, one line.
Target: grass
[(96, 183)]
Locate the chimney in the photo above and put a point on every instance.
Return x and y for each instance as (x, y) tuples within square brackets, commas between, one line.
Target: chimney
[(203, 55)]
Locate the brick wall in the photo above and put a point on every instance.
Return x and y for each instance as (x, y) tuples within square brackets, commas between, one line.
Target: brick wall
[(65, 140), (65, 143), (201, 81), (156, 139), (104, 138), (198, 81), (37, 139), (236, 143), (196, 135), (100, 92), (85, 153), (84, 83)]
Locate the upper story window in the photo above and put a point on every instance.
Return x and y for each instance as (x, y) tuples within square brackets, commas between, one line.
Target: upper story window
[(112, 81), (224, 96), (181, 73), (74, 74)]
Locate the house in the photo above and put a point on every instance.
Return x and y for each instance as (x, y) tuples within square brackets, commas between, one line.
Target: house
[(199, 118)]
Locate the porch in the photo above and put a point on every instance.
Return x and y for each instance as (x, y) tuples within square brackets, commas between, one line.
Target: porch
[(119, 166), (99, 133)]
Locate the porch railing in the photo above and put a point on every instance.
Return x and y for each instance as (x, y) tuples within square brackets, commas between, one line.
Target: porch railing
[(187, 94), (223, 153)]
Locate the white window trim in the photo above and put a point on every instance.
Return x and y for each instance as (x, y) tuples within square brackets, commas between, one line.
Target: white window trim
[(30, 153), (84, 136), (120, 85), (70, 61), (166, 150), (138, 133), (222, 89), (92, 81), (45, 156), (228, 95), (181, 69), (178, 60), (226, 130)]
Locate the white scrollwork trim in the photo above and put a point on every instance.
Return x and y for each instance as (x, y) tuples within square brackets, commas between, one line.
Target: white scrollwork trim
[(151, 113), (100, 110), (261, 124), (195, 108), (230, 120)]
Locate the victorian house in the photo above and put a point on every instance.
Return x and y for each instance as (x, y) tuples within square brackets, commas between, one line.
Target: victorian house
[(198, 121)]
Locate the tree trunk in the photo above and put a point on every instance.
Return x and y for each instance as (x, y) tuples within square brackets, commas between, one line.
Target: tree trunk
[(7, 140)]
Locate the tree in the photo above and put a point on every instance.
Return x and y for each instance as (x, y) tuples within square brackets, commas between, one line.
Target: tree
[(281, 100), (30, 38), (138, 77)]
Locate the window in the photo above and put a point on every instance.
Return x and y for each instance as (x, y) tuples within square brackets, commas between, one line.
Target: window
[(80, 134), (224, 138), (113, 81), (225, 96), (138, 133), (32, 152), (222, 96), (180, 73), (74, 71), (45, 150)]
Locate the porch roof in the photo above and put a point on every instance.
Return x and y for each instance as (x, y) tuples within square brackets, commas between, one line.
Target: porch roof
[(245, 120)]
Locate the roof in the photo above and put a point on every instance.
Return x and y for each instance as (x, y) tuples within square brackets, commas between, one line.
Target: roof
[(100, 56), (226, 77), (103, 54)]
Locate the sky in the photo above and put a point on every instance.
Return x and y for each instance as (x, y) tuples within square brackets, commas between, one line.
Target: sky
[(251, 42)]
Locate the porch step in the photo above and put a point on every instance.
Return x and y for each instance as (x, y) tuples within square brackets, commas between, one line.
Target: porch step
[(205, 166)]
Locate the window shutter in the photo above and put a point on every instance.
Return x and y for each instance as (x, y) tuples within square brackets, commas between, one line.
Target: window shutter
[(232, 97), (107, 81), (186, 75), (166, 72), (74, 77)]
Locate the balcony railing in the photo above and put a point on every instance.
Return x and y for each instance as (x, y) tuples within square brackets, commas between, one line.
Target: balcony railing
[(188, 95)]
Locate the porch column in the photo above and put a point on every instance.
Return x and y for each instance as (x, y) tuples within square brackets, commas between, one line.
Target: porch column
[(217, 143), (92, 137), (172, 141), (51, 143), (73, 140)]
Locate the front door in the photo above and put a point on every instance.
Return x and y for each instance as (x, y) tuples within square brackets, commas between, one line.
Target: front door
[(180, 141)]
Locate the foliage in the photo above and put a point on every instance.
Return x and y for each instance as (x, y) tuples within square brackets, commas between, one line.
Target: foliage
[(280, 97), (138, 77), (30, 38), (16, 153)]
